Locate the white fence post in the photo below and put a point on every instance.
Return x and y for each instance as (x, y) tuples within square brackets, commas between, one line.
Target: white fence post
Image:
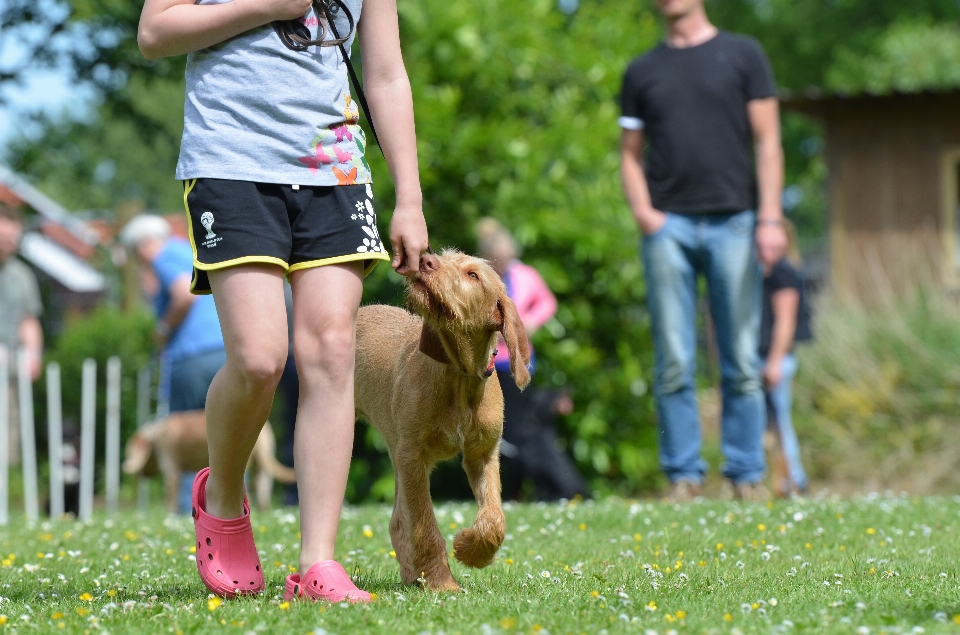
[(88, 437), (143, 414), (4, 436), (28, 443), (113, 435), (55, 434)]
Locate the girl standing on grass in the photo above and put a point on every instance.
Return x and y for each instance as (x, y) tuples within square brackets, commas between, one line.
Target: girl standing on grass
[(275, 182), (785, 321)]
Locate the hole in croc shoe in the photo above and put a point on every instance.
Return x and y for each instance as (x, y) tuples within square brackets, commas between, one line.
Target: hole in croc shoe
[(258, 567), (314, 583), (235, 582), (219, 572), (209, 556), (252, 583), (209, 542), (296, 589)]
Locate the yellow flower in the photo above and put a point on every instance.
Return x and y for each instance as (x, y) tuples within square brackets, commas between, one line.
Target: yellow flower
[(86, 597), (508, 561), (871, 531), (393, 554), (129, 535), (125, 557), (762, 527), (368, 533), (637, 537), (537, 628), (111, 592), (808, 546), (169, 552), (284, 606), (82, 612), (6, 562), (507, 623), (681, 615), (57, 616), (727, 617), (719, 546), (213, 604), (451, 525), (651, 606), (373, 597), (3, 619), (754, 606), (701, 564), (583, 526), (46, 537), (261, 529), (669, 618), (193, 549), (594, 594), (956, 618)]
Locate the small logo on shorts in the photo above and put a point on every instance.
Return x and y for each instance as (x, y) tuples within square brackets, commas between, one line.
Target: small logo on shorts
[(206, 219)]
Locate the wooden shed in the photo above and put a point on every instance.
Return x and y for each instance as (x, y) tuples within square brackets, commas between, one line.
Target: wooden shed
[(893, 166)]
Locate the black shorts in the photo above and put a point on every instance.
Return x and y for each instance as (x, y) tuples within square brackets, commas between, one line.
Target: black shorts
[(295, 227)]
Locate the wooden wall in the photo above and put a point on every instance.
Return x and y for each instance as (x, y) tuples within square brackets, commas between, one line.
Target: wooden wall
[(885, 156)]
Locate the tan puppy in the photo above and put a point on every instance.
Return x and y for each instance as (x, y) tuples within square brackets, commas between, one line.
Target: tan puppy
[(427, 386), (178, 443)]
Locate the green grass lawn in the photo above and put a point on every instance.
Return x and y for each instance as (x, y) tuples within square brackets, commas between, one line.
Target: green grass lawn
[(872, 565)]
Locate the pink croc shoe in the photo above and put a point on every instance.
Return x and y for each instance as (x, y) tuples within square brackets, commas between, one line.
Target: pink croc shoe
[(226, 555), (325, 580)]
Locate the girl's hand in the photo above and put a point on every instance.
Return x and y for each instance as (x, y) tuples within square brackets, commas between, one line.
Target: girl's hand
[(772, 373), (408, 236), (283, 9)]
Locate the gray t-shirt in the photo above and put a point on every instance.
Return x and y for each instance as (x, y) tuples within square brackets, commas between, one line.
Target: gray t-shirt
[(19, 299), (258, 111)]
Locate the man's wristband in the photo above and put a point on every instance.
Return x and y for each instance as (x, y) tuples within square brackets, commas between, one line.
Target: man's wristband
[(770, 221)]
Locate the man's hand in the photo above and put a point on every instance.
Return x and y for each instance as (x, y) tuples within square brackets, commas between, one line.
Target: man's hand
[(408, 236), (773, 372), (651, 221), (771, 242)]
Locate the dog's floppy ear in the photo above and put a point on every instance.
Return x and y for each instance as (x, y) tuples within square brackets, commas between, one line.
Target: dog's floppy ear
[(138, 454), (515, 335)]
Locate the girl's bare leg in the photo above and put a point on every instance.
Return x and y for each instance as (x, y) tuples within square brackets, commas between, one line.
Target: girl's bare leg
[(253, 319), (325, 304)]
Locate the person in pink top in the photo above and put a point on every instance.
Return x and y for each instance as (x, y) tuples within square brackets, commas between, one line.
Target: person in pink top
[(524, 442)]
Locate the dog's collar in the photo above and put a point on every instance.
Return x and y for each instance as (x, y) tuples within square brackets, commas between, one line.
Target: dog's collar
[(432, 347)]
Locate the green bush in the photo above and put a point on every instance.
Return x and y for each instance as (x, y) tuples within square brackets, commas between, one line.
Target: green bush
[(878, 396)]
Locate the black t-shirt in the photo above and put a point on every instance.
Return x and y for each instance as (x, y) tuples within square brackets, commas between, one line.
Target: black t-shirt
[(783, 276), (692, 105)]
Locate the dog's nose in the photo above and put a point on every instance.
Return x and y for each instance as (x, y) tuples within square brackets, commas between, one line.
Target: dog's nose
[(428, 263)]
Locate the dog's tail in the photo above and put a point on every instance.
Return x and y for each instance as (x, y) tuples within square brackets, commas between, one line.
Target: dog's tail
[(266, 458)]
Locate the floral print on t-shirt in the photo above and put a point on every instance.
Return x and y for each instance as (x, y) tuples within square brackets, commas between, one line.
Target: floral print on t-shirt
[(340, 148)]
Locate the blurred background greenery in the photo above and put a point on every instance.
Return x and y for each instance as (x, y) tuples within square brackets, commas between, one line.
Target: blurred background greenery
[(516, 107)]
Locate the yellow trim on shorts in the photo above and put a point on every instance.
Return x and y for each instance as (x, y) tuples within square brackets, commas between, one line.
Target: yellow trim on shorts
[(373, 257), (188, 187)]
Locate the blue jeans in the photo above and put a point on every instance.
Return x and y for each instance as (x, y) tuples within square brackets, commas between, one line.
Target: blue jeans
[(721, 248), (781, 396), (190, 379)]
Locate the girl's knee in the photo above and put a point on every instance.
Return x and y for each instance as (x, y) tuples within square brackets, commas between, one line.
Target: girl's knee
[(330, 347), (261, 366)]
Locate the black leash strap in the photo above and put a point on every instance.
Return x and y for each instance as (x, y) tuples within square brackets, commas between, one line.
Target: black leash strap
[(296, 36)]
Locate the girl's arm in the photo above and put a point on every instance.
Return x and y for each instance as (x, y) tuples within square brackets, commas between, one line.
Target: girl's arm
[(541, 304), (391, 103), (175, 27), (785, 303)]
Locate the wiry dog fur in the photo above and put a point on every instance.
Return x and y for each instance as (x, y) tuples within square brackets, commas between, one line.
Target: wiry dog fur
[(178, 443), (429, 410)]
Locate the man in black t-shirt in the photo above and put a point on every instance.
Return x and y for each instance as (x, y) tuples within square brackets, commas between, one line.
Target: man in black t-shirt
[(699, 101)]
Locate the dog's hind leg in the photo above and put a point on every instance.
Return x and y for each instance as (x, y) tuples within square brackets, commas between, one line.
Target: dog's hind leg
[(477, 545), (428, 548)]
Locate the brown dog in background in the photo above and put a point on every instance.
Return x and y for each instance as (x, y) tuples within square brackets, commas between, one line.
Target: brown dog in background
[(178, 443), (426, 385)]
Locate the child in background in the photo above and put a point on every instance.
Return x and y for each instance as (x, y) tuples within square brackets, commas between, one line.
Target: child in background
[(276, 183), (785, 321)]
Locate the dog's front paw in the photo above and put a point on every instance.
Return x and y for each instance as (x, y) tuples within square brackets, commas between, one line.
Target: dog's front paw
[(475, 549)]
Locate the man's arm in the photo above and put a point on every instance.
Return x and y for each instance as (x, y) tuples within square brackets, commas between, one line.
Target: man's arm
[(31, 339), (175, 27), (764, 115), (180, 302), (391, 105), (648, 218)]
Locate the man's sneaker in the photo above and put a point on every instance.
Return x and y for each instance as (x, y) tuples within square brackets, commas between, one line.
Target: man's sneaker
[(683, 491)]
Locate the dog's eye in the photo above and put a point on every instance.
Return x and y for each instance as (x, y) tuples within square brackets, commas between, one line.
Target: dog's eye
[(473, 274)]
